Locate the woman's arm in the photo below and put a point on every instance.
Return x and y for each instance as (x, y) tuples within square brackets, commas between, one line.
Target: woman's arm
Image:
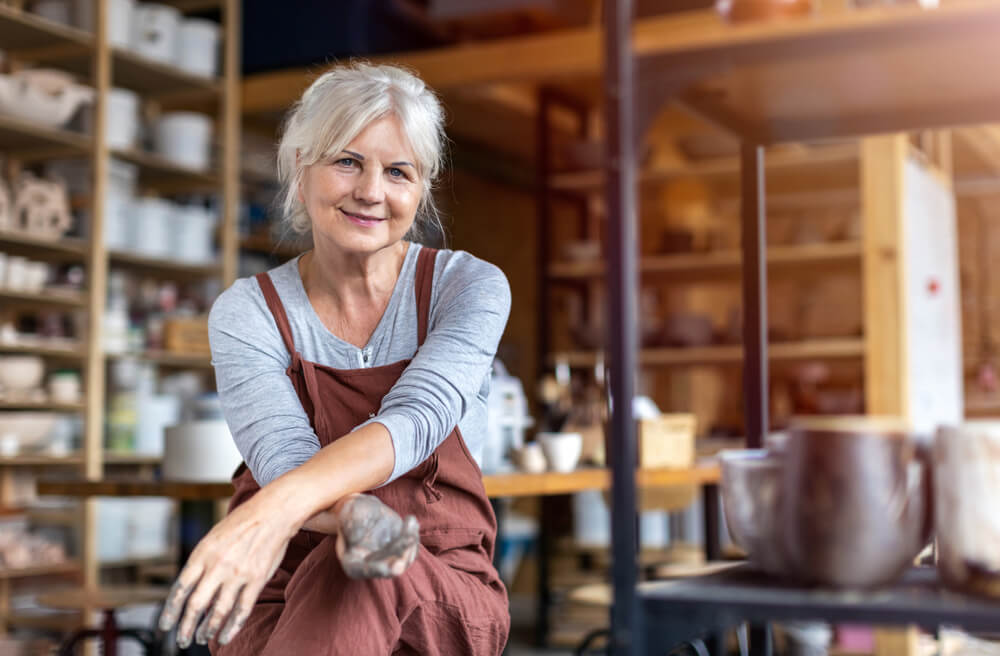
[(227, 570)]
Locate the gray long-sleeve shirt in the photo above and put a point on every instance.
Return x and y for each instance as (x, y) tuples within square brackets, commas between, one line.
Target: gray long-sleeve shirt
[(446, 383)]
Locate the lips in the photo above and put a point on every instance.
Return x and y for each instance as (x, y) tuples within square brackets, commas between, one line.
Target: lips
[(362, 219)]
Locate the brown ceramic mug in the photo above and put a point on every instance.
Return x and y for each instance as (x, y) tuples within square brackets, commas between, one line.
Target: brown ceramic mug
[(855, 503)]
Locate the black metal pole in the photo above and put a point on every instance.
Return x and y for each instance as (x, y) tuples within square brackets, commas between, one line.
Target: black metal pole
[(626, 620), (754, 294)]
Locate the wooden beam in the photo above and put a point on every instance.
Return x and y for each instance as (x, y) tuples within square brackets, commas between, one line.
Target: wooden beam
[(984, 142)]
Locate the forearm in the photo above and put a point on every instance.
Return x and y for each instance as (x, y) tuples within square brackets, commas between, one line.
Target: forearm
[(356, 462)]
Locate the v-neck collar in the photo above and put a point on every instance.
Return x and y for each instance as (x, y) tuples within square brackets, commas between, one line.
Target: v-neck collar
[(390, 308)]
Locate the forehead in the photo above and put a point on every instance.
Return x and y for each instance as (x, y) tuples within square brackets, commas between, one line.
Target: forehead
[(383, 138)]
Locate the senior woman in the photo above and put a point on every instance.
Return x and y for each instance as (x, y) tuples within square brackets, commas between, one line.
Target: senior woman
[(354, 381)]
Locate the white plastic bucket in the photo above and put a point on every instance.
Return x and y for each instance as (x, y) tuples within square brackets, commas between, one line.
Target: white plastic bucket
[(122, 119), (193, 233), (152, 218), (184, 138), (198, 46), (154, 31)]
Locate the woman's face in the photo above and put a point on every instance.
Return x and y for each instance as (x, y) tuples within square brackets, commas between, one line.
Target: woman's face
[(364, 198)]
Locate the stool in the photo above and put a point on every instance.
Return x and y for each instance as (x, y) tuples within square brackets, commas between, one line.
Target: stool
[(108, 600)]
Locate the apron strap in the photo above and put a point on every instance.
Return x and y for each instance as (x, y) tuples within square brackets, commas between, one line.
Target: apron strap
[(277, 310), (422, 285)]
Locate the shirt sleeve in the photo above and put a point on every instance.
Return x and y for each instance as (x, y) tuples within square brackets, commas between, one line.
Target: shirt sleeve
[(266, 418), (468, 315)]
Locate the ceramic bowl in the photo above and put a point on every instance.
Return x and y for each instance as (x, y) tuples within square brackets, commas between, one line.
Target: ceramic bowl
[(20, 373), (29, 429), (562, 450)]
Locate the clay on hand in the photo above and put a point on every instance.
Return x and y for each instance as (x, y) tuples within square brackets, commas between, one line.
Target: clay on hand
[(374, 541)]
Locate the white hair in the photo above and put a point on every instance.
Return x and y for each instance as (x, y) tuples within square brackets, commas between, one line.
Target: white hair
[(337, 107)]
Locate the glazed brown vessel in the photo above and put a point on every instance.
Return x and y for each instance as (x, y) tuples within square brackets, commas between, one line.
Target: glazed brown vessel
[(967, 496), (856, 504), (751, 492)]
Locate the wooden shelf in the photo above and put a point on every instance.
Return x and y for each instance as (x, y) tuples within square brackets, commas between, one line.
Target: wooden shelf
[(21, 30), (62, 621), (722, 263), (264, 244), (31, 460), (785, 161), (596, 478), (848, 347), (45, 297), (169, 359), (128, 458), (853, 72), (72, 353), (44, 405), (65, 249), (142, 561), (68, 567), (136, 72), (161, 266), (158, 171), (32, 141)]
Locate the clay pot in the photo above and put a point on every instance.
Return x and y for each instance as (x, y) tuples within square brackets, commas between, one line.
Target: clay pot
[(737, 11), (966, 486), (751, 495), (860, 511)]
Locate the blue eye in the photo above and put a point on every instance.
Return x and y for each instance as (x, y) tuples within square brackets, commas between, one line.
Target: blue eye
[(396, 172), (345, 161)]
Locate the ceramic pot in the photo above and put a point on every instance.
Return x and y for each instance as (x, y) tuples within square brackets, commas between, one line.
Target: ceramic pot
[(857, 505), (966, 486)]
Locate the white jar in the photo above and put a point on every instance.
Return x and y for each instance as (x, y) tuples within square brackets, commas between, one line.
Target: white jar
[(152, 218), (185, 138), (120, 14), (121, 126), (154, 31), (193, 233), (198, 46)]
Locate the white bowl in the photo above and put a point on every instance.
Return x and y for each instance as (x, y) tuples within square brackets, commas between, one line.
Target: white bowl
[(562, 450), (28, 428), (21, 372)]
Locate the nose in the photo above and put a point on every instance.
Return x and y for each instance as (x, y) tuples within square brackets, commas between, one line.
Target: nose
[(369, 187)]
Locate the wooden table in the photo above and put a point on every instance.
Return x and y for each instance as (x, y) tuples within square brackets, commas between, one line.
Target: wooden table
[(197, 499), (497, 485)]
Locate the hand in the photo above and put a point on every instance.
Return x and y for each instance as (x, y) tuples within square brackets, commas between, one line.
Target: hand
[(227, 570), (373, 541)]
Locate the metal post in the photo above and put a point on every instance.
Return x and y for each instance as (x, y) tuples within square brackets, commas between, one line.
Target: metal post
[(755, 381), (626, 629)]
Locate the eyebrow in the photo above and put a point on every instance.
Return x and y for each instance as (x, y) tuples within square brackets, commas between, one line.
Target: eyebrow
[(362, 158)]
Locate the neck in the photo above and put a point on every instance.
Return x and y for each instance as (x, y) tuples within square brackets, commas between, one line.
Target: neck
[(347, 280)]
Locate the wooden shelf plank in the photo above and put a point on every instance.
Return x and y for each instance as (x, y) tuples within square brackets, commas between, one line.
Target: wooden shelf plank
[(45, 297), (848, 347), (32, 460), (62, 621), (65, 249), (158, 171), (21, 30), (514, 484), (162, 266), (264, 244), (73, 352), (880, 83), (67, 567), (720, 263), (128, 458), (782, 161), (44, 405), (134, 71), (25, 139), (169, 359)]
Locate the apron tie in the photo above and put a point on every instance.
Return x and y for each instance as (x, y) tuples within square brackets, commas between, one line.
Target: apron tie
[(431, 493)]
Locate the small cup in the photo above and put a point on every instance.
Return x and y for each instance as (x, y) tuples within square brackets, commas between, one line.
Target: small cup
[(562, 450), (530, 458), (64, 387)]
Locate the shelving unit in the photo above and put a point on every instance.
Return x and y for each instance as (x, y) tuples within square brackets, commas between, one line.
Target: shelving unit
[(30, 39), (767, 82)]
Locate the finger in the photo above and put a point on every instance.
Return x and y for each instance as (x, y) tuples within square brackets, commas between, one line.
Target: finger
[(179, 593), (206, 616), (197, 604), (222, 608), (241, 611)]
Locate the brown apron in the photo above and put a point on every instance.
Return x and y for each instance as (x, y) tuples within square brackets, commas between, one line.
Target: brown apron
[(449, 602)]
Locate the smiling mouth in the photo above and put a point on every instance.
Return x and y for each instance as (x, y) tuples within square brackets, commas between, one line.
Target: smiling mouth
[(362, 217)]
